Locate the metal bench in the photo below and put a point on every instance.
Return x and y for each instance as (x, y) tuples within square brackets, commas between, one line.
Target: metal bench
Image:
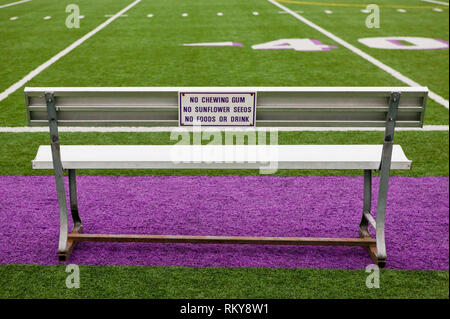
[(276, 106)]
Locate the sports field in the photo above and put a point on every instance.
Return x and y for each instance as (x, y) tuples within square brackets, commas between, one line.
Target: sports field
[(222, 43)]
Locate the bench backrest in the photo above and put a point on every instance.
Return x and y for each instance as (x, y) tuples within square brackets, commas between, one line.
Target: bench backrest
[(276, 106)]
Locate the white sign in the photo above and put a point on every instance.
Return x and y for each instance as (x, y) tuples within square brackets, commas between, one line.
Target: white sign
[(217, 108)]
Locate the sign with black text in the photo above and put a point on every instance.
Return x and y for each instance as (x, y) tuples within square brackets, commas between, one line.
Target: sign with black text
[(217, 109)]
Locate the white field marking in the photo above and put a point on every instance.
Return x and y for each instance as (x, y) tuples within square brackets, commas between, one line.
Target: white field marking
[(219, 14), (111, 15), (328, 11), (437, 10), (401, 10), (45, 65), (13, 3), (288, 12), (435, 97), (255, 13), (184, 15), (13, 18), (213, 44), (143, 129), (47, 18), (150, 15), (437, 2)]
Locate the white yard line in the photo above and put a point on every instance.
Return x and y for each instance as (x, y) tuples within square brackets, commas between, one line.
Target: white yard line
[(287, 12), (437, 2), (26, 129), (435, 97), (45, 65), (13, 3)]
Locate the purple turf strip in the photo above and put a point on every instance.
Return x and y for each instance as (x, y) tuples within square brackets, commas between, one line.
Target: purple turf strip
[(417, 220)]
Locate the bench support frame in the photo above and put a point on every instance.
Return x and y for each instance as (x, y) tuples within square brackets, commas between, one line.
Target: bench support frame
[(376, 247), (66, 244)]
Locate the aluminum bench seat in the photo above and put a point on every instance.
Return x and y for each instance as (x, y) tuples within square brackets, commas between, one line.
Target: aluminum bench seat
[(360, 157)]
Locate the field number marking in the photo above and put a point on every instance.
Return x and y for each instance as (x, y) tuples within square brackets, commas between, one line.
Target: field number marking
[(305, 45), (294, 44), (405, 43)]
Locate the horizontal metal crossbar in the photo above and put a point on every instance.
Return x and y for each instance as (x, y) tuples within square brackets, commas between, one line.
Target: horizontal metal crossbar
[(275, 106), (223, 239)]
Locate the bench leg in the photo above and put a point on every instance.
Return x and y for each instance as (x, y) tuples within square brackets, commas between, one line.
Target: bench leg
[(364, 224), (63, 255), (63, 225), (385, 171), (381, 203), (65, 246), (77, 225), (377, 252), (367, 206)]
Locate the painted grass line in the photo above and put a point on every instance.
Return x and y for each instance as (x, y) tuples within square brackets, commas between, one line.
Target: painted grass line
[(325, 4), (45, 65), (25, 129), (13, 3), (437, 2), (434, 96)]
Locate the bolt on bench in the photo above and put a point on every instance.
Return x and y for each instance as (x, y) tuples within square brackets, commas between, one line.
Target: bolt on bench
[(275, 107)]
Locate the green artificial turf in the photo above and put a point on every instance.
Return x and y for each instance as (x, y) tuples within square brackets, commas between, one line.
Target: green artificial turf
[(427, 67), (141, 51), (429, 151), (24, 281), (30, 40)]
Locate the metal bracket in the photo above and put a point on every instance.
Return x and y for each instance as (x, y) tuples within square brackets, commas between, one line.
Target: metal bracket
[(391, 120)]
